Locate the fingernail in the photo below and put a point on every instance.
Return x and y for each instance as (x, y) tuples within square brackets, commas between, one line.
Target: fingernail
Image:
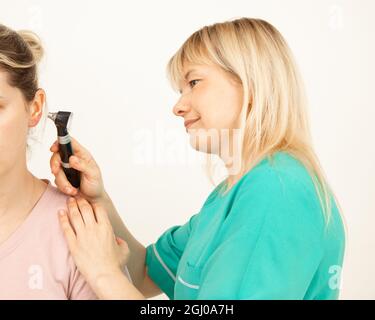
[(71, 200), (61, 212)]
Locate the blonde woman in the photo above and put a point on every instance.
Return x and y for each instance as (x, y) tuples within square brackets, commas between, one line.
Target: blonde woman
[(35, 262), (270, 230)]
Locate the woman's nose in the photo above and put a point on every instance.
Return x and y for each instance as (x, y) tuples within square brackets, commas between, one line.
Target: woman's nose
[(180, 108)]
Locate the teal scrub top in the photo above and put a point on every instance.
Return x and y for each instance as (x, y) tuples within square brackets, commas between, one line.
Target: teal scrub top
[(267, 238)]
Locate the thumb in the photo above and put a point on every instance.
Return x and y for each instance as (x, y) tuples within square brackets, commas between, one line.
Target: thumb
[(83, 161), (122, 243), (123, 252)]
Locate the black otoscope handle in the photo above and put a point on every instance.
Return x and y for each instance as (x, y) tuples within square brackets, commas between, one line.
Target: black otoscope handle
[(65, 150)]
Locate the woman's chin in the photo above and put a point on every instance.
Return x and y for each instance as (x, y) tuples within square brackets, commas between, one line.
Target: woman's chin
[(204, 144)]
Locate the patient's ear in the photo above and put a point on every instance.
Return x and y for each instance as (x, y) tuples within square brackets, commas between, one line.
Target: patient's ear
[(36, 108)]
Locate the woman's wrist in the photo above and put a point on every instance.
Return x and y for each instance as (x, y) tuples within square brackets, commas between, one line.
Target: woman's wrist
[(100, 281), (115, 286), (103, 199)]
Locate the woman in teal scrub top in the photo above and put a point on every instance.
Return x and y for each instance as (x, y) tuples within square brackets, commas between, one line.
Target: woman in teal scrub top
[(270, 230)]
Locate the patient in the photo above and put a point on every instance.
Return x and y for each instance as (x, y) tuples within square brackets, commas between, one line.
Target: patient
[(34, 258)]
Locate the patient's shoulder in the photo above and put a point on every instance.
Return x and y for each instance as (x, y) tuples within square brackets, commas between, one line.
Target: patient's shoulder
[(46, 212), (55, 196)]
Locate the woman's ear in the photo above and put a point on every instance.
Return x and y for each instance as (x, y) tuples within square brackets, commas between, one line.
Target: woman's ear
[(36, 108)]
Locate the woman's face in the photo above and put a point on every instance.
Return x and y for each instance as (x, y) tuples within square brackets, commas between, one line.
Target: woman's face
[(16, 117), (213, 98)]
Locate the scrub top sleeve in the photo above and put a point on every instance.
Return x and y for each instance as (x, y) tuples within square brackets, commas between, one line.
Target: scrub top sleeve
[(273, 250), (163, 257)]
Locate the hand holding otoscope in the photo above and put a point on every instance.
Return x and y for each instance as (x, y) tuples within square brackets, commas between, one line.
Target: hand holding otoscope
[(79, 169)]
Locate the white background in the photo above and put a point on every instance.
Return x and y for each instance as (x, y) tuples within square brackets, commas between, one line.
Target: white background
[(105, 61)]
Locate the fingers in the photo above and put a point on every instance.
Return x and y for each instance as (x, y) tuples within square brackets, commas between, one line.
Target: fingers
[(88, 168), (75, 216), (81, 161), (54, 147), (60, 178), (63, 184), (80, 150), (86, 211), (67, 229), (55, 162)]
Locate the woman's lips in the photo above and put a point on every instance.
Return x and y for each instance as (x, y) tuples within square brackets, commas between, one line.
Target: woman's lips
[(188, 123)]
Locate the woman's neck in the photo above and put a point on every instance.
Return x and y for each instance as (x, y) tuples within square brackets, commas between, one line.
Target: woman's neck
[(19, 192), (18, 188)]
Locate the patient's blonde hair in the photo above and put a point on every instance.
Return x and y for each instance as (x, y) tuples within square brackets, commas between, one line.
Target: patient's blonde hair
[(274, 115), (20, 54)]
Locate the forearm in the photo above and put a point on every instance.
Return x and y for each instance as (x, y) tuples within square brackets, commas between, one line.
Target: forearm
[(136, 263)]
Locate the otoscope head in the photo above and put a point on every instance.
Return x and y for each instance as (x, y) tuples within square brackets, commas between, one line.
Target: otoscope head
[(62, 120)]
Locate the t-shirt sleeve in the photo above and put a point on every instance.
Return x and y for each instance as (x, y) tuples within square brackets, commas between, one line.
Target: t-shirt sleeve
[(163, 256), (273, 247)]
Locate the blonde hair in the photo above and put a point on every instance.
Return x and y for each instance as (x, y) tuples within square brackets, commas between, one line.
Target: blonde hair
[(20, 54), (274, 115)]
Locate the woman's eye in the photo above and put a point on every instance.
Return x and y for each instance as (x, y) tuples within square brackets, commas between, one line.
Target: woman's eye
[(192, 83)]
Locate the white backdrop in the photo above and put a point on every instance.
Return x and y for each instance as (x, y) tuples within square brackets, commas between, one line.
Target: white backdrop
[(105, 61)]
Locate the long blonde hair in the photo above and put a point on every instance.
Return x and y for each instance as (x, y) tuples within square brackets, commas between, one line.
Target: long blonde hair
[(274, 115)]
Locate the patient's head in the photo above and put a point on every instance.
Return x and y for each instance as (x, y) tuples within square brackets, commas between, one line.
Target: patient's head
[(21, 100)]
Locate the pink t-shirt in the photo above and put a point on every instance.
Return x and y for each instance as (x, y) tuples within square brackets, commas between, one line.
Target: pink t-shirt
[(35, 262)]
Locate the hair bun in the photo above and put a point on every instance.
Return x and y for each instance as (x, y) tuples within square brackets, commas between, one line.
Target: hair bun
[(34, 43)]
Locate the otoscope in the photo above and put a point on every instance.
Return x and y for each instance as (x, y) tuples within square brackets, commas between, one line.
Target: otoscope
[(62, 120)]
